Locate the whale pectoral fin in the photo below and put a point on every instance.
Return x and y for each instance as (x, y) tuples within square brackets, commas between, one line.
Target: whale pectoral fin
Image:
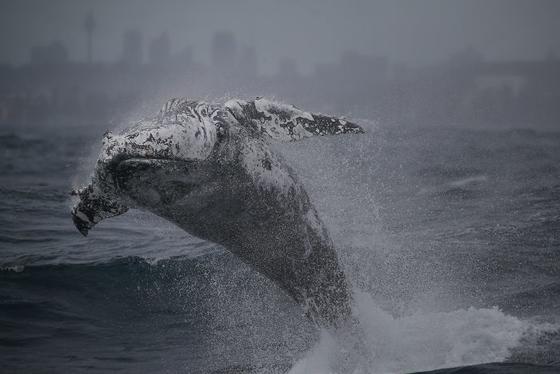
[(93, 207), (287, 123)]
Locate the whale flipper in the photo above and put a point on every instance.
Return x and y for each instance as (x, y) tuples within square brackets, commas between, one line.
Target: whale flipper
[(286, 123)]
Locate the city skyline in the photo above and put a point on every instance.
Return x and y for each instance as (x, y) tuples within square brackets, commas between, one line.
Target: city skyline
[(407, 32)]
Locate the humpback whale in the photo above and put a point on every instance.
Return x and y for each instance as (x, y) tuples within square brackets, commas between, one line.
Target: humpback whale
[(209, 169)]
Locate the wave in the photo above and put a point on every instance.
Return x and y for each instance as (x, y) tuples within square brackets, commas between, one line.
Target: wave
[(218, 295), (474, 180), (470, 187), (178, 314), (448, 171), (425, 341), (15, 141), (496, 368)]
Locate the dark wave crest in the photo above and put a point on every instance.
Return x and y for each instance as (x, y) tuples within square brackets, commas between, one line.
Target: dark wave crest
[(129, 314)]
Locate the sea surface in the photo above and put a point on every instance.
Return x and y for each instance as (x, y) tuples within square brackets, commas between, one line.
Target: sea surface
[(450, 236)]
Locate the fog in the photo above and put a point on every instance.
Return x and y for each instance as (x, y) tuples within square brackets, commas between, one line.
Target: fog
[(308, 31), (431, 62)]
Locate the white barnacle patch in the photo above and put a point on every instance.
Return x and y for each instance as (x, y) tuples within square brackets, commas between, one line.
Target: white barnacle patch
[(272, 108), (283, 122), (183, 130), (235, 106), (266, 169), (287, 120), (299, 132)]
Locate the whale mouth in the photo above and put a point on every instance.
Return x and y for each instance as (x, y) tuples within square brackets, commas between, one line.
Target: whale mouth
[(154, 182), (150, 168), (134, 180), (144, 162)]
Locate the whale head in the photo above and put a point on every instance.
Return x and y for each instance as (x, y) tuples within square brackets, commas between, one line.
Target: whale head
[(154, 164)]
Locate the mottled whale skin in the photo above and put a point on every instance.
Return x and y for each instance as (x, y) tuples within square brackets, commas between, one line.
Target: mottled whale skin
[(208, 168)]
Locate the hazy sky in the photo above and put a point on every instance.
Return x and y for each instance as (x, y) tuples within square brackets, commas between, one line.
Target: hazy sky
[(309, 31)]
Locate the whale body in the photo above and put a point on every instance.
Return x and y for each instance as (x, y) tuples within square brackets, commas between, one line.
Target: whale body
[(208, 168)]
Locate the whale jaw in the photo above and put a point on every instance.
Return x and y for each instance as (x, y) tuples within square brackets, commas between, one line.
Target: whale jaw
[(134, 183), (153, 183), (81, 224), (94, 206)]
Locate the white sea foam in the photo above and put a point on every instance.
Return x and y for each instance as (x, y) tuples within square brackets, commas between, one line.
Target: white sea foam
[(420, 341), (477, 179)]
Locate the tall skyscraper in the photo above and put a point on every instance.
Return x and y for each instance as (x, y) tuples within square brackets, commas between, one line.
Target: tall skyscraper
[(89, 26)]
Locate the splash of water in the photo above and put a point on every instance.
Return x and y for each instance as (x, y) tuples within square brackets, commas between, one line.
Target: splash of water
[(419, 341)]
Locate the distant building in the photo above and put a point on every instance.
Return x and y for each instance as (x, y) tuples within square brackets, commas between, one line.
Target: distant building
[(515, 83), (89, 27), (54, 53), (287, 69), (467, 56), (159, 51), (132, 53), (248, 63), (184, 58), (224, 50)]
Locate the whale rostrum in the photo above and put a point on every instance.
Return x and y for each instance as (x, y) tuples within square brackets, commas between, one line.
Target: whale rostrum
[(209, 169)]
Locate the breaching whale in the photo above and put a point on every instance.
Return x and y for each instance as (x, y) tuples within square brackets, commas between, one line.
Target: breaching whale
[(208, 168)]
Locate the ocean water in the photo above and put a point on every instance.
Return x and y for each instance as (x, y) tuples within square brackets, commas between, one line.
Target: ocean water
[(450, 236)]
